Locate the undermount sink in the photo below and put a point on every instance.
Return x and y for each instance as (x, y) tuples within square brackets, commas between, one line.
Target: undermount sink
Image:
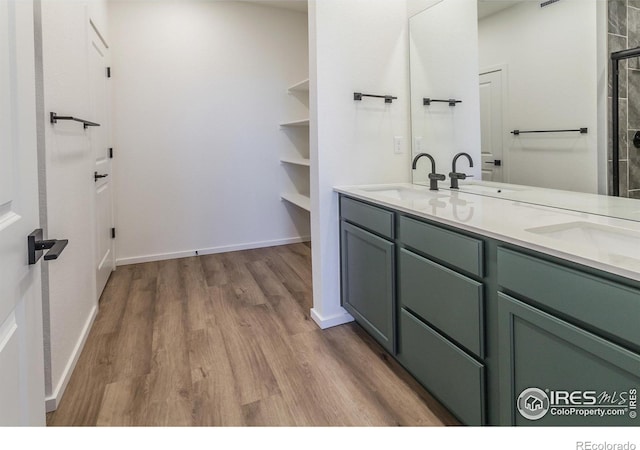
[(482, 189), (612, 240), (399, 193)]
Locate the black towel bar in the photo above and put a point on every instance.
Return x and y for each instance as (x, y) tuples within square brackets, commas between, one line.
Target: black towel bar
[(581, 130), (357, 96), (451, 101), (55, 117)]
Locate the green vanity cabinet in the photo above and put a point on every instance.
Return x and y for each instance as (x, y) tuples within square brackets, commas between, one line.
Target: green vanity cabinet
[(578, 378), (368, 274), (500, 334), (441, 325)]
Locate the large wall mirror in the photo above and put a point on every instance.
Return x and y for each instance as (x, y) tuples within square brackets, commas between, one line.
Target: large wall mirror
[(525, 72)]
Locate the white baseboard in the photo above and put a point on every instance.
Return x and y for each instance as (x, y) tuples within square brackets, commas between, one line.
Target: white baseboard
[(331, 321), (52, 401), (210, 251)]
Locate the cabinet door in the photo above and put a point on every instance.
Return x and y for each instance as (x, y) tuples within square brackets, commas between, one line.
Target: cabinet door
[(367, 282), (554, 373)]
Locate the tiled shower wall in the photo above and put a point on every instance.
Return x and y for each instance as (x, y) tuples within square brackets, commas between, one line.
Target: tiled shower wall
[(624, 32)]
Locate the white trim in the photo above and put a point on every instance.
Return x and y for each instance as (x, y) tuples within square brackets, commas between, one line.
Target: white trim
[(210, 251), (52, 402), (331, 321)]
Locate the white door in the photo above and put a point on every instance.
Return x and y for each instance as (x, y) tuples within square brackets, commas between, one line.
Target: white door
[(491, 127), (100, 143), (21, 353)]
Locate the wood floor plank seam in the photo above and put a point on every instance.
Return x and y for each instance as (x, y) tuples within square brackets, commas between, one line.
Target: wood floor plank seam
[(227, 340)]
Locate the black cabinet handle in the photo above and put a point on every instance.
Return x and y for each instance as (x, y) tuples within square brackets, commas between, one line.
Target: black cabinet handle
[(96, 176), (36, 245)]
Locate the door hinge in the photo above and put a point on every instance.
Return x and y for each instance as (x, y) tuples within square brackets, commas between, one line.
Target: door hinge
[(113, 233), (110, 152), (108, 72)]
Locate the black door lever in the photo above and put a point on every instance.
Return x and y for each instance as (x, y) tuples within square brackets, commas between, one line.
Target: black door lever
[(96, 176), (36, 245)]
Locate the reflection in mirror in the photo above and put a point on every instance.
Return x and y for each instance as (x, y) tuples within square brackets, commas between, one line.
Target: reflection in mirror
[(526, 65), (444, 65), (532, 68), (539, 72)]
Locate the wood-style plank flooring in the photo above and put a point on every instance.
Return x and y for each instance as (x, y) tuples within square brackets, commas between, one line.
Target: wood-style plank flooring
[(227, 340)]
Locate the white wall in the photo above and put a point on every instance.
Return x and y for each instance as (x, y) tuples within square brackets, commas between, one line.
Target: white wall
[(199, 91), (355, 46), (444, 65), (70, 302), (416, 6), (602, 24), (552, 84)]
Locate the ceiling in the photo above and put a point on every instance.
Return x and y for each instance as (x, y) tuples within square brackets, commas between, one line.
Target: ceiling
[(294, 5)]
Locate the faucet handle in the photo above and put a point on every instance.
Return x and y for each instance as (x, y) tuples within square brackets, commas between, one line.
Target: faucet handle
[(455, 176), (433, 180), (459, 176)]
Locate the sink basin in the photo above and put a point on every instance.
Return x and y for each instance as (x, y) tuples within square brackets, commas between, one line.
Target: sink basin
[(612, 240), (482, 189), (400, 193)]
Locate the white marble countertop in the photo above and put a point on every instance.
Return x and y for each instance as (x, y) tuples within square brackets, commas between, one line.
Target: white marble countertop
[(622, 208), (513, 221)]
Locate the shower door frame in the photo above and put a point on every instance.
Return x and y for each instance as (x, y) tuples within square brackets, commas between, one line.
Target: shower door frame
[(616, 57)]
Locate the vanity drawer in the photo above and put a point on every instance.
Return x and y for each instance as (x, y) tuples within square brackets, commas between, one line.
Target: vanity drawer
[(451, 302), (375, 219), (599, 303), (451, 375), (460, 251)]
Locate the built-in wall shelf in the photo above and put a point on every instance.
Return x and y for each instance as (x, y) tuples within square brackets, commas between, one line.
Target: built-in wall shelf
[(302, 86), (296, 161), (301, 201), (296, 123)]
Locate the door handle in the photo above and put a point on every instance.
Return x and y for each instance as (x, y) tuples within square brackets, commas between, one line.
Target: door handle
[(36, 245), (495, 162), (97, 176)]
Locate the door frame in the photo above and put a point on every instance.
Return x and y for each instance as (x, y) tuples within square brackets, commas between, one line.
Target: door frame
[(94, 34), (504, 78)]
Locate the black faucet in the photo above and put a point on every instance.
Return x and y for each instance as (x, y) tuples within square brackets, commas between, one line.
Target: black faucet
[(433, 176), (455, 176)]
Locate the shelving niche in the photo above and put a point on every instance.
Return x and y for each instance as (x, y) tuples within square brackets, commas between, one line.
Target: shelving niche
[(295, 160)]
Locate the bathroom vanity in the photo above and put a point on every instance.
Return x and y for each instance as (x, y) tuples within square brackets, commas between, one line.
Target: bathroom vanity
[(509, 313)]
